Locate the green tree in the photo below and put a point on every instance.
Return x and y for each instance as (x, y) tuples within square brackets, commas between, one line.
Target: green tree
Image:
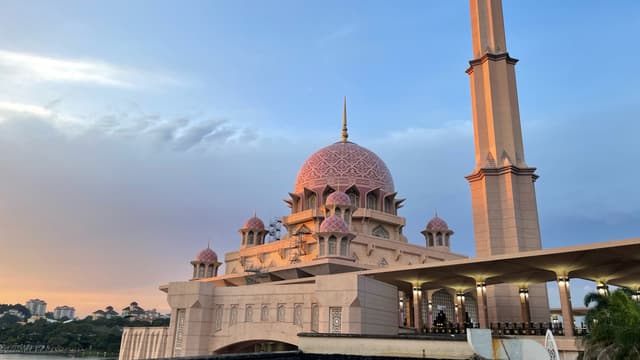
[(614, 322)]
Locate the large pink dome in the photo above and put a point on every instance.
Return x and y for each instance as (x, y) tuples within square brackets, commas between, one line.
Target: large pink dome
[(344, 164)]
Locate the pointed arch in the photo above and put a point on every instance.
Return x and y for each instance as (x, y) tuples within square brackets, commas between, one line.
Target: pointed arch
[(372, 200), (344, 246), (332, 245), (354, 195), (327, 191), (380, 231), (443, 304)]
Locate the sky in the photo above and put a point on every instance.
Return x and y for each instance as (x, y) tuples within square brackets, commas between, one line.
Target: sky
[(133, 133)]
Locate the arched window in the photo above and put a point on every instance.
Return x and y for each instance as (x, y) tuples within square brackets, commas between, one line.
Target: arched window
[(344, 246), (297, 315), (264, 313), (443, 305), (380, 231), (354, 195), (250, 238), (233, 315), (201, 271), (312, 201), (219, 313), (430, 236), (315, 317), (439, 239), (446, 240), (248, 313), (326, 194), (321, 247), (338, 212), (210, 271), (347, 216), (281, 312), (471, 307), (195, 271), (332, 245), (387, 205), (372, 201)]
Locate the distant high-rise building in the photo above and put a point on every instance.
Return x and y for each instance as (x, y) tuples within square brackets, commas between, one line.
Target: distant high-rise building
[(36, 307), (64, 312)]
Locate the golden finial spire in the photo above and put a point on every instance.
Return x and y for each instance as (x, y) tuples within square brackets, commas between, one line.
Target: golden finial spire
[(345, 134), (209, 244)]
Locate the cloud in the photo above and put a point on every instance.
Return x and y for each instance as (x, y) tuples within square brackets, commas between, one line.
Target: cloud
[(34, 68), (179, 133)]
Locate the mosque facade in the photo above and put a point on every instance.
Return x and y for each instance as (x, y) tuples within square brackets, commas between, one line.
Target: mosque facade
[(346, 267)]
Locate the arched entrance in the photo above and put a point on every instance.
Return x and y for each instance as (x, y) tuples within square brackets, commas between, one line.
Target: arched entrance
[(252, 346)]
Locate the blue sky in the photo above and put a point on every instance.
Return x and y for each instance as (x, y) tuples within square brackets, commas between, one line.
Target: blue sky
[(133, 133)]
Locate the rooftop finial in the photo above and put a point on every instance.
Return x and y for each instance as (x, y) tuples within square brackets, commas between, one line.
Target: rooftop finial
[(436, 212), (254, 213), (345, 134), (209, 244)]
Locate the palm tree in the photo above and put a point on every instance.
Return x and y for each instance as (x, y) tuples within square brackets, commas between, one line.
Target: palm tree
[(614, 322)]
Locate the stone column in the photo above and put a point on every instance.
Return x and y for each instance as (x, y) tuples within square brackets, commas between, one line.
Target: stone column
[(408, 310), (524, 305), (565, 305), (483, 316), (417, 314), (430, 312), (460, 306)]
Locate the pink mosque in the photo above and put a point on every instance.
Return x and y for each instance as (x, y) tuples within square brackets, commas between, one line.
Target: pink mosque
[(345, 266)]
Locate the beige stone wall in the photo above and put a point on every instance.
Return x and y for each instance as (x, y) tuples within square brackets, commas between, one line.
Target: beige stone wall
[(367, 251), (143, 343), (361, 304)]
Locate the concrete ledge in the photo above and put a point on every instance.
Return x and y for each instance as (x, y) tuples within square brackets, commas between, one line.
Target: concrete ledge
[(400, 346)]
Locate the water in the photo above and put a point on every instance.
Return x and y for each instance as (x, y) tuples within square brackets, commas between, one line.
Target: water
[(42, 357)]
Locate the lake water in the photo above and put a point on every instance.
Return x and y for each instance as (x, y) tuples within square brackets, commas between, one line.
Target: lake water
[(42, 357)]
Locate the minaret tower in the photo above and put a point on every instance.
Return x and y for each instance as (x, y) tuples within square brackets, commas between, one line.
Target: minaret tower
[(505, 214)]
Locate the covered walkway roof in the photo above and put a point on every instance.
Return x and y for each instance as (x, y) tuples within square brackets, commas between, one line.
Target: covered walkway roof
[(611, 262)]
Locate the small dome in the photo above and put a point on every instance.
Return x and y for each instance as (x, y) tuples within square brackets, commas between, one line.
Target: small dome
[(338, 198), (207, 256), (436, 224), (334, 224), (254, 223)]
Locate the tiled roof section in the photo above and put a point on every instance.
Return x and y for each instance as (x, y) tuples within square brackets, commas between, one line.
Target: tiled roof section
[(334, 224), (437, 224), (346, 164), (207, 256), (338, 198), (253, 223)]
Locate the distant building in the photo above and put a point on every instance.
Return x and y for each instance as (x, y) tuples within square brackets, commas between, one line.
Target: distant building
[(133, 312), (107, 313), (64, 312), (36, 307)]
